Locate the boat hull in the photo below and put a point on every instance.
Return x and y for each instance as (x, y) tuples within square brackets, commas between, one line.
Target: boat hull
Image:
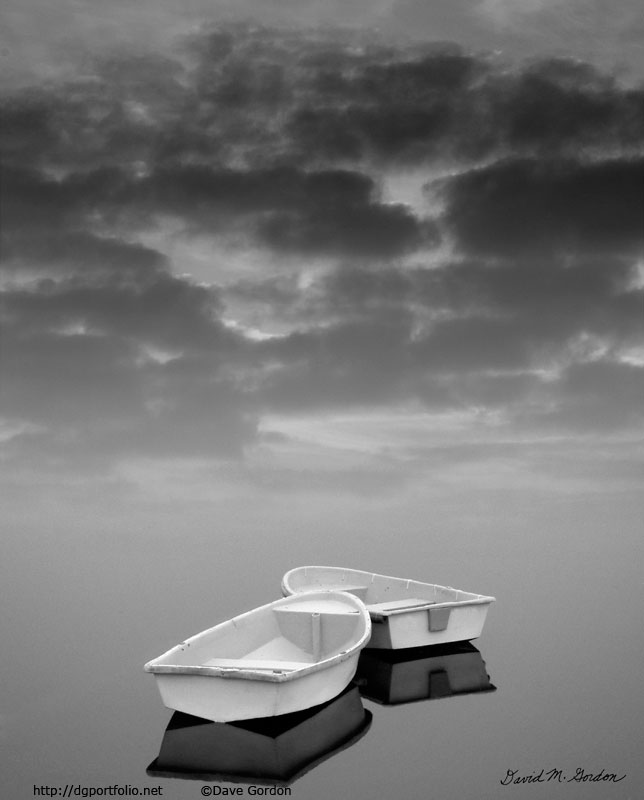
[(404, 613), (227, 699), (412, 629)]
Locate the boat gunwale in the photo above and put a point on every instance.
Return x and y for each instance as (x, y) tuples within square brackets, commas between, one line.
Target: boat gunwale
[(270, 674), (474, 600)]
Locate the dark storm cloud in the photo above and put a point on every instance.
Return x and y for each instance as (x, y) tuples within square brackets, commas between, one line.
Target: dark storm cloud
[(541, 298), (69, 252), (128, 362), (473, 344), (467, 334), (286, 209), (104, 412), (547, 301), (158, 309), (257, 96), (191, 189), (437, 105), (369, 231), (408, 110), (118, 110), (345, 364), (56, 378), (322, 212), (280, 294), (557, 102), (600, 395), (28, 127), (285, 142), (550, 208), (33, 203)]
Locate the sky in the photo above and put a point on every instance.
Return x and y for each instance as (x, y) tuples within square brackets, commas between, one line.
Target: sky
[(321, 281), (333, 249)]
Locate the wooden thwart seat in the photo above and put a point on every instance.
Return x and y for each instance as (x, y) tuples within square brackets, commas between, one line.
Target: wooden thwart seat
[(395, 605)]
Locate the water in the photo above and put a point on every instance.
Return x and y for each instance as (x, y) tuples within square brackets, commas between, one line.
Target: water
[(100, 588)]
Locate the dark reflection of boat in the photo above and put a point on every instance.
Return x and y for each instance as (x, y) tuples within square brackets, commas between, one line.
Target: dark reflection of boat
[(272, 750), (421, 673)]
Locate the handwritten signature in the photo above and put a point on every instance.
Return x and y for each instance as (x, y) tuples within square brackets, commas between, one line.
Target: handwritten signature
[(512, 776)]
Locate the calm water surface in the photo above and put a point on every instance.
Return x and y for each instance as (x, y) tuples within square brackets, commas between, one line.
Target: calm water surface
[(90, 602)]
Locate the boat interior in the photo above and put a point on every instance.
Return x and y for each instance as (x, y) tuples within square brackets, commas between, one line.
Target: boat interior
[(275, 638), (378, 592)]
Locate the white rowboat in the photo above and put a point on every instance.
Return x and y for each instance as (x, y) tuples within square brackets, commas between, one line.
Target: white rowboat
[(404, 613), (286, 656)]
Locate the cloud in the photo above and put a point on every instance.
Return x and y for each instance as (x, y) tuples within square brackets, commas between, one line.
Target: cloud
[(68, 252), (555, 104), (252, 96), (36, 204), (423, 107), (286, 209), (346, 364), (510, 294), (333, 212), (549, 208), (506, 337), (540, 298), (90, 401), (97, 367), (159, 309), (41, 41), (599, 395)]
